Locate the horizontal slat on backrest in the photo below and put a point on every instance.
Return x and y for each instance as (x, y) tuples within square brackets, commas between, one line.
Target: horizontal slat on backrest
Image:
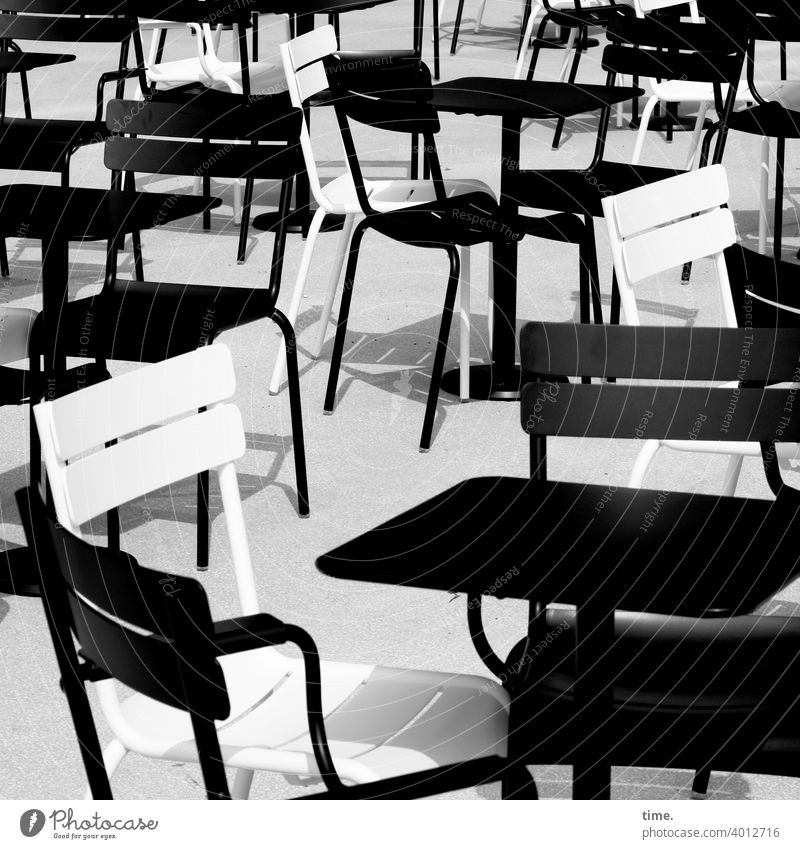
[(652, 5), (141, 398), (311, 80), (685, 241), (210, 115), (674, 35), (219, 159), (648, 206), (69, 30), (145, 462), (312, 46), (661, 353), (66, 7), (698, 413), (706, 67)]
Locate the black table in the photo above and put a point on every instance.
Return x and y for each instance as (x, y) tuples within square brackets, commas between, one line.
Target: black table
[(513, 101)]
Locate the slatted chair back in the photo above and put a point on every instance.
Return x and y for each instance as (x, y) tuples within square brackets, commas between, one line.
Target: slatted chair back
[(111, 443), (149, 630), (666, 224), (67, 21), (680, 355)]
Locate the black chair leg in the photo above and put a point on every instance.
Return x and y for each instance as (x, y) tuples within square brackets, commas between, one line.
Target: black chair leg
[(537, 47), (588, 259), (207, 196), (4, 269), (615, 300), (435, 40), (441, 350), (202, 522), (138, 261), (456, 27), (526, 14), (701, 780), (518, 783), (295, 406), (26, 95), (344, 312), (247, 200), (777, 231), (573, 73)]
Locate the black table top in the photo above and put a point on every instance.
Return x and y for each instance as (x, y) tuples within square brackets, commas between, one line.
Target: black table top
[(497, 96), (42, 212), (671, 553), (223, 11)]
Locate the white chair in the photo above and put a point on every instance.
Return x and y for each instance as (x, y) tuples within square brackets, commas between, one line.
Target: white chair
[(661, 226), (380, 721), (305, 76)]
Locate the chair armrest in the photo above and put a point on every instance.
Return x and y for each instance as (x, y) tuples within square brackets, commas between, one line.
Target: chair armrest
[(260, 629), (426, 783), (111, 77), (248, 632)]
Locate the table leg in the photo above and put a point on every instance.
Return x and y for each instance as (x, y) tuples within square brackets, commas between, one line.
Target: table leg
[(501, 380)]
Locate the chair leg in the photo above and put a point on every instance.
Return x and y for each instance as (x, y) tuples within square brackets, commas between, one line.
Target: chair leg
[(694, 144), (296, 409), (616, 302), (649, 450), (518, 783), (524, 38), (465, 326), (537, 47), (456, 27), (732, 475), (344, 312), (26, 95), (436, 15), (573, 73), (297, 295), (490, 304), (202, 521), (700, 783), (244, 777), (588, 258), (572, 46), (333, 285), (4, 269), (206, 182), (644, 123), (245, 223), (777, 227), (479, 16), (441, 350), (763, 226)]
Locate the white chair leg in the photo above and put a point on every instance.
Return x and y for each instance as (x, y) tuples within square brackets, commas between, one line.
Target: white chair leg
[(732, 475), (465, 325), (519, 70), (113, 754), (490, 305), (639, 470), (479, 16), (694, 143), (644, 122), (569, 49), (333, 285), (197, 186), (763, 196), (242, 784), (237, 202), (297, 295)]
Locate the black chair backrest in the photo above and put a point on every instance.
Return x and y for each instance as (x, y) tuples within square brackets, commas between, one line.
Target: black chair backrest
[(150, 630), (748, 356), (773, 280), (387, 93), (674, 50), (65, 20), (159, 137)]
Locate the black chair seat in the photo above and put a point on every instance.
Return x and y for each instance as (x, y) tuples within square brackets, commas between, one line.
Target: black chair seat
[(170, 318), (593, 17), (19, 63), (463, 539), (41, 212), (468, 219), (43, 144), (580, 191), (686, 691), (768, 119)]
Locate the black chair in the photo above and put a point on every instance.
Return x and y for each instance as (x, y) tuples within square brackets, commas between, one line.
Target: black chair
[(688, 681), (446, 224), (766, 21), (47, 144), (643, 47), (577, 21), (143, 321)]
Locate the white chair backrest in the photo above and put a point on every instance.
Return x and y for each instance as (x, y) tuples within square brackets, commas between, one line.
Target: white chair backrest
[(161, 438), (669, 223), (643, 7), (305, 76)]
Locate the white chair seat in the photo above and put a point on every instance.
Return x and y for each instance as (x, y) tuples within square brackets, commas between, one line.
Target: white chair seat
[(388, 195), (381, 722), (265, 78)]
